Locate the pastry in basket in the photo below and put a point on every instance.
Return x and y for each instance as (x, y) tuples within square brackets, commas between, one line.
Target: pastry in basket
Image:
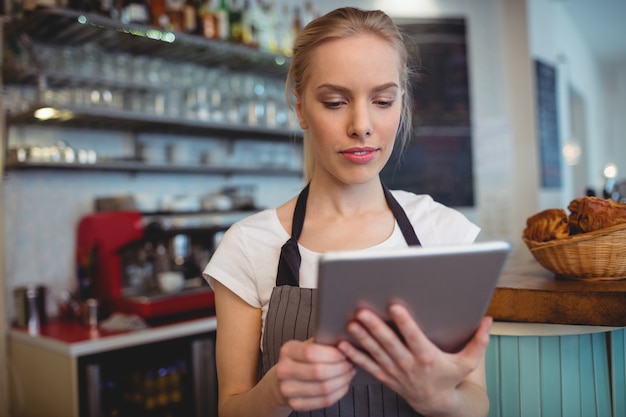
[(588, 214), (547, 225)]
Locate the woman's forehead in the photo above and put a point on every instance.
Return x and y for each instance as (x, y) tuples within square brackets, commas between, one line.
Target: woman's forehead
[(355, 59)]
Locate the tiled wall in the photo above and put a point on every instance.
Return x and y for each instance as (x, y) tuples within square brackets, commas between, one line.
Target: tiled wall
[(42, 207)]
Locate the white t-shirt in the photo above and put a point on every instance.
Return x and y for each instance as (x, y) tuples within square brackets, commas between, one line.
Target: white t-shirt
[(246, 259)]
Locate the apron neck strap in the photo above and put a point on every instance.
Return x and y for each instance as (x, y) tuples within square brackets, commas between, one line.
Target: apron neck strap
[(403, 221), (290, 259)]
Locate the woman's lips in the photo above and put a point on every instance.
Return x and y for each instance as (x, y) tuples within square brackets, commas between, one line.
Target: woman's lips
[(359, 155)]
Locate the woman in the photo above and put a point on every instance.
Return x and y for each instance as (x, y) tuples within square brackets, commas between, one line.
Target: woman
[(348, 78)]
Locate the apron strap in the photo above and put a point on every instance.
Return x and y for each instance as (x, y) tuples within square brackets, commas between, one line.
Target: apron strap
[(290, 259), (403, 221)]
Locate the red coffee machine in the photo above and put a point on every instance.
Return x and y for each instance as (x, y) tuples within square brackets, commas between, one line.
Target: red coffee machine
[(119, 255)]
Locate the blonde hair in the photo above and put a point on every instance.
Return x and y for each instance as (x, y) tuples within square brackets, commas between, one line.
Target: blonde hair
[(338, 24)]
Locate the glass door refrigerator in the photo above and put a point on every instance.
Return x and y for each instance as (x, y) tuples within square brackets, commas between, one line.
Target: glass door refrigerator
[(173, 378)]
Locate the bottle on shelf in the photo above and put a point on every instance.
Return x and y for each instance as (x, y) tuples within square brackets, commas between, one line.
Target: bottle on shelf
[(262, 25), (207, 20), (284, 31), (135, 11), (271, 40), (175, 11), (190, 17), (248, 32), (223, 27), (158, 17), (235, 22)]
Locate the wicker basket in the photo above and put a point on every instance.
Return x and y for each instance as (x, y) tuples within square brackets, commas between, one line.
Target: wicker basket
[(599, 255)]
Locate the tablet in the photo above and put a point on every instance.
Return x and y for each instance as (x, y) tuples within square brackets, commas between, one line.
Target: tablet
[(447, 289)]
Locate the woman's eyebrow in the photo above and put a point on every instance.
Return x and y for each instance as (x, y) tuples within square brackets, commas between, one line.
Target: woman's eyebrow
[(340, 88)]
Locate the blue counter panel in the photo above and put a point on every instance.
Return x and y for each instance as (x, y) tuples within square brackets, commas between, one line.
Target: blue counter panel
[(551, 376), (618, 372)]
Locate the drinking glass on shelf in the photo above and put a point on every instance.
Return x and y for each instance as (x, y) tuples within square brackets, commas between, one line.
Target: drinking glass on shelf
[(271, 119), (140, 67), (160, 72), (80, 96), (231, 111), (50, 58), (117, 99), (173, 102), (89, 60), (123, 67), (190, 110), (69, 60), (152, 103), (133, 101)]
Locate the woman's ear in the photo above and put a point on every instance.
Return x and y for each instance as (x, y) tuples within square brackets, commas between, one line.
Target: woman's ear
[(300, 112)]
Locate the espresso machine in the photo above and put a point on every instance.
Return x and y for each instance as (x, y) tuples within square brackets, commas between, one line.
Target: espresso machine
[(123, 256)]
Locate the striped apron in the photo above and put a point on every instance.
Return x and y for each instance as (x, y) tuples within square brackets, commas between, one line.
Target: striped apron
[(291, 313)]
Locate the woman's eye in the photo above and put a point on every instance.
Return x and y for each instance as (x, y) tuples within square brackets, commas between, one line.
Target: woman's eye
[(332, 104), (384, 103)]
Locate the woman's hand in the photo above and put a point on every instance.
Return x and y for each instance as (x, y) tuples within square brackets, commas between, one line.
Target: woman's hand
[(431, 381), (312, 375)]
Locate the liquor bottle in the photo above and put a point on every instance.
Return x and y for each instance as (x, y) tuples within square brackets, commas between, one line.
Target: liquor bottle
[(235, 22), (158, 17), (135, 11), (174, 9), (223, 27), (284, 32), (248, 33), (262, 25), (190, 17), (207, 21), (272, 41)]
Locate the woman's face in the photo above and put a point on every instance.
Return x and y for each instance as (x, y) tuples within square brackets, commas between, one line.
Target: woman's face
[(350, 106)]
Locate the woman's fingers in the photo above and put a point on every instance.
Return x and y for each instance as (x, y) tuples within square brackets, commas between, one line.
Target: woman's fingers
[(312, 375), (388, 354)]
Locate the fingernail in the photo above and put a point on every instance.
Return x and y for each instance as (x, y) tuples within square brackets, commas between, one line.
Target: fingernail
[(395, 309), (363, 315)]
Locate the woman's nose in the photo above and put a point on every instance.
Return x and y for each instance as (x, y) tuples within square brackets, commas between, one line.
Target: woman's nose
[(360, 125)]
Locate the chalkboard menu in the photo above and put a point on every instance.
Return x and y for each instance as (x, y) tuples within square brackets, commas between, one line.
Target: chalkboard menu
[(438, 159), (548, 125), (435, 164)]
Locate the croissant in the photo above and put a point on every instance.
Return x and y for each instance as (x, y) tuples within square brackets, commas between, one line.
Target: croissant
[(588, 214), (547, 225)]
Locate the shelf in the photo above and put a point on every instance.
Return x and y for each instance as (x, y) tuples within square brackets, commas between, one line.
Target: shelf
[(136, 167), (99, 118), (74, 28), (54, 86)]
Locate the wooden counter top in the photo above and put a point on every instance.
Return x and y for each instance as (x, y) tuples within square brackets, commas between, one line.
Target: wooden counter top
[(532, 294)]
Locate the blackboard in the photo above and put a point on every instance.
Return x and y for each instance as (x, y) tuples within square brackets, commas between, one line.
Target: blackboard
[(438, 158), (548, 125), (437, 164)]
